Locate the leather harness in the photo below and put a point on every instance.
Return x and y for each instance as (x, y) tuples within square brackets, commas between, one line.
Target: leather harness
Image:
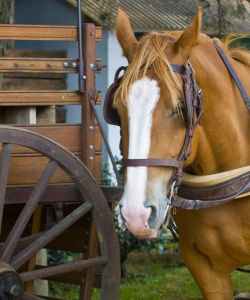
[(188, 197)]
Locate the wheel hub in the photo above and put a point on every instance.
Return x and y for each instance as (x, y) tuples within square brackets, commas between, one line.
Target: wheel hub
[(11, 285)]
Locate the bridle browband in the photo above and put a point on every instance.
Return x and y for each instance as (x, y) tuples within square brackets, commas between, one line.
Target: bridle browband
[(193, 112)]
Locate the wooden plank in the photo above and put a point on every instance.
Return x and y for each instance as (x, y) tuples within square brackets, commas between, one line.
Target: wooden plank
[(98, 140), (28, 170), (19, 115), (59, 193), (42, 32), (44, 65), (46, 115), (54, 193), (25, 170), (35, 53), (33, 83), (7, 76), (88, 118), (67, 135), (98, 168), (88, 139), (46, 97)]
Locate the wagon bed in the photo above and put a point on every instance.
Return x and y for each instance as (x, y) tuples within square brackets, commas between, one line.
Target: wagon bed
[(50, 173)]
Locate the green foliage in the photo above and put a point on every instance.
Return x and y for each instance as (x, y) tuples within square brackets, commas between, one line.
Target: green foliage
[(107, 178), (57, 257)]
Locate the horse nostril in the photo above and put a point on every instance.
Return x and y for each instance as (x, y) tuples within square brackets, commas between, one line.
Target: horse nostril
[(153, 216)]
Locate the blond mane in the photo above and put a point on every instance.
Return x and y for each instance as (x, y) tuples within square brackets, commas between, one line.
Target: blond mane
[(150, 54)]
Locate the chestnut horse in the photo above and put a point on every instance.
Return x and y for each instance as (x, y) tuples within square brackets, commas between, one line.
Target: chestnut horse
[(213, 241)]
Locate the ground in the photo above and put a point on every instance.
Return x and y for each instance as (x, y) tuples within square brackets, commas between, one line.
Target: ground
[(156, 277)]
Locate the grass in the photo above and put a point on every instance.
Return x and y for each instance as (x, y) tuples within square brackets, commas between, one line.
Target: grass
[(152, 281)]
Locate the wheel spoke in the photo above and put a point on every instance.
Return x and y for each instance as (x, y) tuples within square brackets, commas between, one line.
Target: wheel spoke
[(61, 269), (24, 255), (27, 296), (4, 171), (24, 217)]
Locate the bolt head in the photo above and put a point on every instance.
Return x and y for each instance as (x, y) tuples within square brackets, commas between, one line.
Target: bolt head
[(16, 290), (91, 158), (91, 127), (74, 65), (91, 66), (91, 147), (65, 64)]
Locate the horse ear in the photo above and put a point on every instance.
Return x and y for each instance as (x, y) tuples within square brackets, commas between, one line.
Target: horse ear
[(125, 34), (190, 36)]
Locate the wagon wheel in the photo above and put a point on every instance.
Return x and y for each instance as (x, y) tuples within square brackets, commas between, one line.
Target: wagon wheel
[(11, 260)]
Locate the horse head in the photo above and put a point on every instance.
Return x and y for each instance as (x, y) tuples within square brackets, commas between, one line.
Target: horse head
[(150, 103)]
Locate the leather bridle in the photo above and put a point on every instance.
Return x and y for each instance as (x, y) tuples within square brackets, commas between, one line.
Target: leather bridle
[(193, 103)]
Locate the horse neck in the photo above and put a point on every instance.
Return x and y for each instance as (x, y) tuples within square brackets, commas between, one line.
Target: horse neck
[(222, 142)]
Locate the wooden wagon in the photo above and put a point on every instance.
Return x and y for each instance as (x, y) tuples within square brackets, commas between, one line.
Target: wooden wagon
[(50, 173)]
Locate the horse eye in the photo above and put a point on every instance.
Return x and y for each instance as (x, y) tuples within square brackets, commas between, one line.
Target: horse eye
[(180, 107), (174, 112)]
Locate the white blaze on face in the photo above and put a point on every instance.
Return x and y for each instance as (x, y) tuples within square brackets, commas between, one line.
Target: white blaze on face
[(143, 97)]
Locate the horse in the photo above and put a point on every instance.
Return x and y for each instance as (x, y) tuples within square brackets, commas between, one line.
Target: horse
[(149, 101)]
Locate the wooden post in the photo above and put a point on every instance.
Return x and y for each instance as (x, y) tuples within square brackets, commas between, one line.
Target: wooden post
[(88, 143), (88, 119)]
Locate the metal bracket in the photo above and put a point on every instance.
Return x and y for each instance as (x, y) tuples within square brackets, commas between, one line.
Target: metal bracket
[(98, 66), (70, 64)]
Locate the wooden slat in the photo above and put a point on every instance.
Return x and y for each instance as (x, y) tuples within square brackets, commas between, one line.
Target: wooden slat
[(26, 170), (42, 32), (67, 135), (98, 140), (46, 97), (47, 65), (54, 193), (35, 53), (20, 66), (59, 193), (98, 168)]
